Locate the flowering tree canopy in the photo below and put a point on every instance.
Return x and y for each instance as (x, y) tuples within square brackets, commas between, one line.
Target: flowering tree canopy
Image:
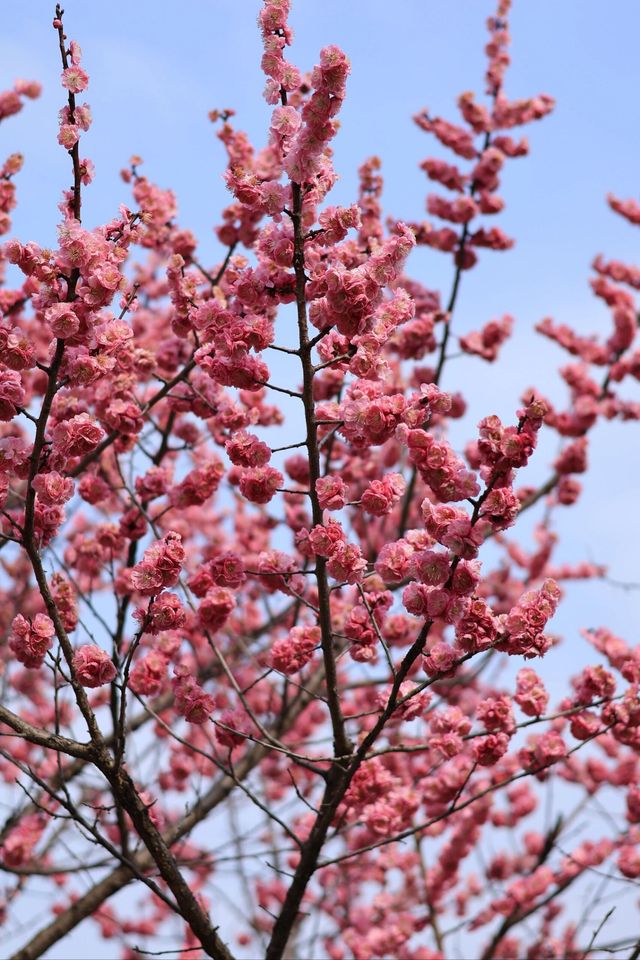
[(289, 696)]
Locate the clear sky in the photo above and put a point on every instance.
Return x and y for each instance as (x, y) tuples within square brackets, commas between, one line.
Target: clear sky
[(157, 68)]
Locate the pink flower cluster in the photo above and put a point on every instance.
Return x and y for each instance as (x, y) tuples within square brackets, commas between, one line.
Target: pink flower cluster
[(199, 484), (486, 343), (332, 492), (11, 166), (369, 416), (499, 449), (629, 209), (454, 529), (18, 846), (229, 334), (530, 695), (149, 674), (380, 496), (93, 666), (160, 566), (12, 394), (525, 623), (476, 190), (478, 627), (347, 299), (66, 601), (30, 640), (345, 561), (305, 149), (293, 652), (259, 484), (246, 450), (215, 608), (11, 100), (439, 466), (75, 437), (276, 34), (302, 137), (192, 702), (448, 727), (163, 613), (52, 488), (364, 624)]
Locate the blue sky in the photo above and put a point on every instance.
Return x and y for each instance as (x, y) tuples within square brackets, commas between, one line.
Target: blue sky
[(156, 70)]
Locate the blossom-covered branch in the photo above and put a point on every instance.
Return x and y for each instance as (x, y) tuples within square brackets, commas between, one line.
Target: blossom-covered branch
[(314, 657)]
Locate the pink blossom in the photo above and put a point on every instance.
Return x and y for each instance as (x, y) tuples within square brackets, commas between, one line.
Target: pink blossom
[(259, 484), (477, 628), (66, 601), (441, 468), (93, 666), (192, 702), (630, 209), (76, 436), (550, 748), (227, 569), (439, 659), (160, 566), (633, 804), (526, 621), (289, 654), (346, 563), (500, 508), (28, 88), (629, 861), (430, 567), (164, 613), (458, 139), (460, 210), (12, 394), (68, 136), (30, 640), (124, 416), (381, 495), (325, 539), (332, 492), (594, 683), (18, 845), (231, 728), (393, 561), (215, 608), (446, 174), (488, 749), (148, 674), (75, 79), (573, 458), (53, 488), (496, 713), (198, 485), (486, 342), (246, 450)]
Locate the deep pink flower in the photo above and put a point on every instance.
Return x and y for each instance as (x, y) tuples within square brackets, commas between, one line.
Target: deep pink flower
[(93, 666), (30, 640)]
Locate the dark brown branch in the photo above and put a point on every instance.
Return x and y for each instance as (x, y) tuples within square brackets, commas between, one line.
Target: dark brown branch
[(191, 910), (42, 738)]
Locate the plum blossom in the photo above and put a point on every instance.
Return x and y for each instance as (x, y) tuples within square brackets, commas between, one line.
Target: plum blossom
[(192, 702), (93, 666), (30, 640)]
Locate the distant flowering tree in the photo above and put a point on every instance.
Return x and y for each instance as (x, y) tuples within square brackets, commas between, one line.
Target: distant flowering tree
[(255, 685)]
